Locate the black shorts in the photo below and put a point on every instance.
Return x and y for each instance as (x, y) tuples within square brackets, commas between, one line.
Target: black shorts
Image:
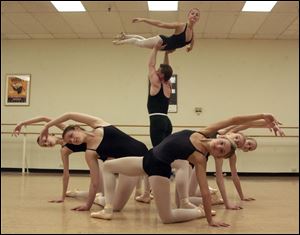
[(153, 166)]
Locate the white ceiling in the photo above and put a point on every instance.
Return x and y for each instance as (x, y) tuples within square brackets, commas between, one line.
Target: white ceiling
[(219, 19)]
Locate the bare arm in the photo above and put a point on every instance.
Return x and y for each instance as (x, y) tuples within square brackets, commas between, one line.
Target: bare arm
[(153, 78), (221, 185), (78, 117), (166, 58), (91, 159), (158, 23), (65, 152), (190, 46), (236, 179), (259, 124), (200, 168), (238, 120), (19, 126)]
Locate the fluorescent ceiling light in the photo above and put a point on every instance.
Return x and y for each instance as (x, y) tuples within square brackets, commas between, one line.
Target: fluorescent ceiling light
[(261, 6), (163, 5), (68, 6)]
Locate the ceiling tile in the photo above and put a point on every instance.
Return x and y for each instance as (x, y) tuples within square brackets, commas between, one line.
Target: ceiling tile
[(8, 27), (127, 17), (12, 6), (219, 19), (248, 22), (63, 36), (88, 35), (80, 22), (215, 35), (188, 5), (131, 5), (101, 19), (286, 6), (220, 23), (53, 22), (38, 6), (41, 36), (225, 6), (277, 23), (92, 6), (266, 36), (17, 36), (240, 35), (26, 22)]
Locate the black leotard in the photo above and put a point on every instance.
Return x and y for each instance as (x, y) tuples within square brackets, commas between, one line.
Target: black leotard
[(176, 146), (117, 144), (158, 103), (76, 148), (175, 41), (160, 125)]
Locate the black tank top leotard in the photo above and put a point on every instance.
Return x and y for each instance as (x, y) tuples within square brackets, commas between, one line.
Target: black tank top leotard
[(175, 41), (76, 148), (117, 144), (158, 160), (158, 103), (175, 146)]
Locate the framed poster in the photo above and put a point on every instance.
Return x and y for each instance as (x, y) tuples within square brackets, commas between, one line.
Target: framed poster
[(17, 89), (173, 98)]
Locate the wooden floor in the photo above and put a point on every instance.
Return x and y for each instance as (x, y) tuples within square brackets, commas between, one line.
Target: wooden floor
[(24, 209)]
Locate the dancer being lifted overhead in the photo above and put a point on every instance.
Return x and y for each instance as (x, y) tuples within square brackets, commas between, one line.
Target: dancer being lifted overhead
[(182, 36)]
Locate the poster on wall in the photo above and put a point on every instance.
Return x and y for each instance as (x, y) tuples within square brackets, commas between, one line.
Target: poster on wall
[(17, 89), (173, 98)]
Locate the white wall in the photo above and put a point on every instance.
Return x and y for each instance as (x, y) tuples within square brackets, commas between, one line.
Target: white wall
[(224, 77)]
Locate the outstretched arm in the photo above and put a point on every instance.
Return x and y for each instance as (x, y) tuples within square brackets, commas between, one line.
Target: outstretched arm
[(259, 124), (166, 57), (239, 120), (157, 23), (78, 117), (65, 152), (200, 169), (236, 179), (221, 185), (190, 46), (92, 161), (153, 78), (19, 126)]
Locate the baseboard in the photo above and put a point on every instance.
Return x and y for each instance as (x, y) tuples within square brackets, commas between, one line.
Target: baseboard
[(37, 170)]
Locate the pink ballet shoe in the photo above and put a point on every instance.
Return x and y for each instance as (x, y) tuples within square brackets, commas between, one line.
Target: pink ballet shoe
[(185, 204), (216, 200), (120, 36), (102, 215), (143, 198), (71, 193)]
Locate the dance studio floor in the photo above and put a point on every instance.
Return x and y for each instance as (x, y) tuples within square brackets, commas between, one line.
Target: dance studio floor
[(24, 208)]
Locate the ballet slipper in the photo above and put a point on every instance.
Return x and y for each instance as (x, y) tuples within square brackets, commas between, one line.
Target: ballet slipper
[(143, 198), (185, 204), (120, 36), (117, 42), (138, 192), (99, 199), (213, 212), (106, 213), (71, 193), (202, 212), (212, 190), (215, 200)]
